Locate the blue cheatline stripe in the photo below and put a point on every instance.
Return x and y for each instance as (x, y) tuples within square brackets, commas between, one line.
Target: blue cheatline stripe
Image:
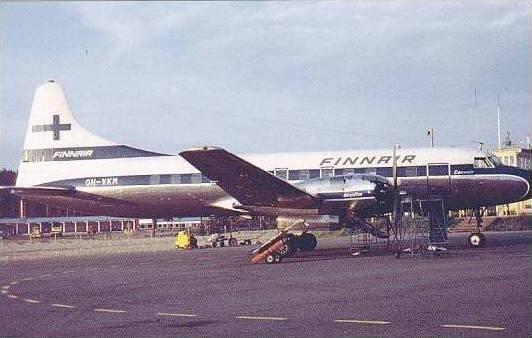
[(85, 153), (110, 181), (196, 178)]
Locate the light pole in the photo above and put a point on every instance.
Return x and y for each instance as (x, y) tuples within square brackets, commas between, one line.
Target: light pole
[(430, 133)]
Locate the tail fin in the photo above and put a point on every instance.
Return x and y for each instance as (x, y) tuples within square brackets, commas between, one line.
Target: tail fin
[(52, 124), (58, 148)]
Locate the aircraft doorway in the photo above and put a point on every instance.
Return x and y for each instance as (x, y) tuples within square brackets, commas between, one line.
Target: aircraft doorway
[(438, 178)]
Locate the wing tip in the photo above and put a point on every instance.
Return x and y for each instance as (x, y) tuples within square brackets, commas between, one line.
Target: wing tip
[(200, 149)]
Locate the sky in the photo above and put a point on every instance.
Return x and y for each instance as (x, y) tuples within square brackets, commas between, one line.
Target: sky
[(271, 76)]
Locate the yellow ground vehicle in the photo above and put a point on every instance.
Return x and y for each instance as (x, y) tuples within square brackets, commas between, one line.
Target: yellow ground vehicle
[(184, 240), (35, 232)]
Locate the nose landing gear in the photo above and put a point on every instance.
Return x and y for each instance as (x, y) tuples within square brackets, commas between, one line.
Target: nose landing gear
[(477, 239)]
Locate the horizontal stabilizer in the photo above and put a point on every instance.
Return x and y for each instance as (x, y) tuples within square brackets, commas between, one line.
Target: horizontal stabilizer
[(61, 192), (246, 182)]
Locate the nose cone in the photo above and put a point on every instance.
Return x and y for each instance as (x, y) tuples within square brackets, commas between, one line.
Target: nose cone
[(516, 186), (529, 195), (525, 187)]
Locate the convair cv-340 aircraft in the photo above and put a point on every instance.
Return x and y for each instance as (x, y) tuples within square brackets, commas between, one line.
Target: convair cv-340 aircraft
[(69, 167)]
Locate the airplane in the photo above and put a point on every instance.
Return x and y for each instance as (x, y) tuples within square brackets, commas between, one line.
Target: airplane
[(65, 165)]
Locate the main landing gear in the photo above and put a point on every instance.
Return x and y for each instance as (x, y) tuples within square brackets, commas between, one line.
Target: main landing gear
[(477, 239), (291, 243)]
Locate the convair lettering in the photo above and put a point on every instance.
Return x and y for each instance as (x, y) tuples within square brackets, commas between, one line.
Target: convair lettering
[(463, 172), (361, 161), (73, 153)]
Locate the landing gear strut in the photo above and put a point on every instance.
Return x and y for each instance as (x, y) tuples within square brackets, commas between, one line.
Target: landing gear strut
[(477, 239)]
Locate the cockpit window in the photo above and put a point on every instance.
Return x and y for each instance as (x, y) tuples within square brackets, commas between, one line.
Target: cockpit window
[(483, 162)]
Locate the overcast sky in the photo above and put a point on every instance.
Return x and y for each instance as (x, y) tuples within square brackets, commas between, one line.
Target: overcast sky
[(270, 76)]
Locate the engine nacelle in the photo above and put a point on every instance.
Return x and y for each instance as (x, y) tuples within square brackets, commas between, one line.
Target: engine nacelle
[(366, 193)]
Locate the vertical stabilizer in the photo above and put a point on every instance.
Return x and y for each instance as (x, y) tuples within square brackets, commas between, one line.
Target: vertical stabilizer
[(52, 124), (57, 148)]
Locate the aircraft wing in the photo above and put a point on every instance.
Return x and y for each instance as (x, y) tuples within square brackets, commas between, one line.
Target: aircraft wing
[(246, 182)]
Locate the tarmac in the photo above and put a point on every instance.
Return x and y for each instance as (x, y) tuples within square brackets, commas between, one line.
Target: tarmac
[(327, 293)]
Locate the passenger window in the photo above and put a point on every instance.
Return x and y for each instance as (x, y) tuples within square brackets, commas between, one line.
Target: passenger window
[(386, 171), (282, 173), (294, 175), (410, 171), (327, 172), (313, 173), (186, 178), (347, 171), (196, 178), (438, 170), (154, 179)]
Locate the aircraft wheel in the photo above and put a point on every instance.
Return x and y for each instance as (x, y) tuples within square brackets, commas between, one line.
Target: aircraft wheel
[(477, 240), (273, 258), (307, 242), (289, 247)]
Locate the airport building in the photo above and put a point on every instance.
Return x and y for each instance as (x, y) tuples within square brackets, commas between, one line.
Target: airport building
[(518, 157)]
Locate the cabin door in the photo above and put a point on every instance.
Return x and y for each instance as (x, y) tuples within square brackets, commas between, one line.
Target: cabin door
[(438, 178)]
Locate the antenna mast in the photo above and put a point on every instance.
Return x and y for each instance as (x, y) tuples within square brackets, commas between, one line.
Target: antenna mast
[(499, 120), (475, 116)]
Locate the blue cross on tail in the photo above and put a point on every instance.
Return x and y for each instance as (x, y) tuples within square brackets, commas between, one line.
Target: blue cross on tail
[(56, 127)]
